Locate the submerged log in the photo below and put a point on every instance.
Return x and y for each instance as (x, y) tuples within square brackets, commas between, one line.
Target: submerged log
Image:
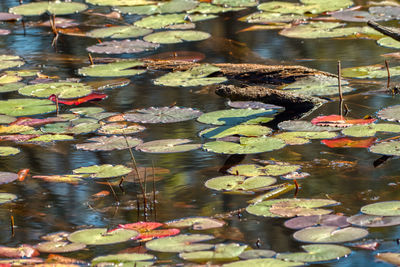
[(394, 33)]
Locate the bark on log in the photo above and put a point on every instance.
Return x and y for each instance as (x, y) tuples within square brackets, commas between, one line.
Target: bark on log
[(395, 34)]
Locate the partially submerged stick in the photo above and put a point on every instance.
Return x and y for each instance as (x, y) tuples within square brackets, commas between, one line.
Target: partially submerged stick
[(339, 70), (393, 33)]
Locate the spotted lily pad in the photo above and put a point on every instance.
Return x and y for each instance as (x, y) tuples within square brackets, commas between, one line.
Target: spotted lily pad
[(371, 129), (7, 197), (61, 89), (300, 138), (221, 252), (163, 20), (364, 220), (314, 220), (329, 234), (103, 171), (180, 243), (370, 72), (174, 37), (236, 116), (26, 107), (7, 177), (121, 47), (120, 128), (391, 113), (54, 8), (304, 126), (239, 183), (258, 170), (316, 253), (104, 143), (9, 61), (162, 114), (247, 145), (118, 32), (390, 148), (134, 259), (242, 130), (168, 146), (8, 151), (59, 247), (196, 223), (100, 236), (263, 263), (386, 208), (114, 69), (195, 76)]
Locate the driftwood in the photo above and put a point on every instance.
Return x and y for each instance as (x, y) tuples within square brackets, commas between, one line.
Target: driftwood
[(394, 33)]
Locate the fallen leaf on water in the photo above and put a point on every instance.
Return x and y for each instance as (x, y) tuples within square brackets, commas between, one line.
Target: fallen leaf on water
[(339, 121), (349, 142), (103, 193), (23, 251), (78, 101), (22, 174)]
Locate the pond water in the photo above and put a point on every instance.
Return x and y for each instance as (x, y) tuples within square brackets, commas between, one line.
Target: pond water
[(44, 207)]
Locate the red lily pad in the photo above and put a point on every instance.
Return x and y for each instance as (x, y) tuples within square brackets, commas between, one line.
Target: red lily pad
[(339, 121), (349, 142), (18, 137), (27, 121), (7, 177), (147, 232), (314, 220), (78, 101), (23, 251)]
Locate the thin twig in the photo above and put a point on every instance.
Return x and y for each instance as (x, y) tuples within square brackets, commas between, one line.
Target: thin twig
[(12, 225), (154, 191), (339, 69), (90, 59), (145, 193), (388, 76), (57, 106), (115, 195)]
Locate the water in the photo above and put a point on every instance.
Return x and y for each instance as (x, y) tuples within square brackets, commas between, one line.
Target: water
[(44, 207)]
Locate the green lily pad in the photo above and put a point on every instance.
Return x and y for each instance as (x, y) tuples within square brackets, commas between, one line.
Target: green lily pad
[(391, 148), (221, 252), (258, 170), (364, 220), (263, 263), (168, 146), (4, 119), (62, 90), (329, 6), (121, 2), (114, 69), (59, 247), (295, 8), (391, 113), (386, 208), (195, 76), (86, 111), (104, 143), (174, 37), (247, 145), (370, 72), (10, 87), (270, 17), (174, 6), (329, 234), (79, 126), (122, 259), (26, 107), (208, 8), (239, 183), (314, 30), (100, 236), (8, 151), (118, 32), (103, 171), (300, 138), (242, 130), (122, 47), (180, 243), (235, 3), (236, 116), (23, 73), (9, 61), (370, 129), (389, 42), (196, 223), (4, 79), (164, 20), (316, 253), (47, 138), (7, 197), (120, 128), (162, 114), (4, 129), (54, 8), (257, 254), (304, 126)]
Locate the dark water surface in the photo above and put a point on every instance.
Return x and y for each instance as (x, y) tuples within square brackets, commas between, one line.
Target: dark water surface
[(44, 207)]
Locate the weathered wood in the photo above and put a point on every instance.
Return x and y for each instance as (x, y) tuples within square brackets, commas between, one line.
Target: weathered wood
[(394, 33)]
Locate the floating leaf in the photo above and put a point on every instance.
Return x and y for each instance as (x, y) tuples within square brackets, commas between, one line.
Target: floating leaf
[(258, 170), (386, 208), (162, 114), (147, 232), (121, 47), (46, 138), (23, 251), (68, 178), (196, 223), (7, 177), (26, 107), (104, 143), (315, 220), (8, 151), (61, 89), (300, 138), (329, 234), (390, 257), (14, 129), (54, 8), (103, 171), (86, 111), (59, 247), (319, 29), (120, 128), (242, 130), (4, 16), (371, 129), (316, 253), (235, 3), (9, 61), (236, 116), (7, 197), (122, 259), (251, 105), (100, 236), (174, 37), (164, 20), (195, 76), (239, 183), (247, 145), (78, 101), (270, 17), (364, 220), (4, 119), (370, 72), (221, 252), (294, 8), (389, 42), (79, 126), (388, 12), (339, 121), (263, 263), (180, 243), (391, 148), (208, 8), (118, 32), (120, 2), (355, 16), (114, 69), (349, 142), (168, 146), (390, 113), (174, 6), (5, 79), (256, 254), (28, 121)]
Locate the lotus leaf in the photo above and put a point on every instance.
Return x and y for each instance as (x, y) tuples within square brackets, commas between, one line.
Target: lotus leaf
[(386, 208), (314, 220), (174, 6), (4, 119), (257, 170), (104, 143), (121, 2), (247, 145), (8, 151), (120, 128), (162, 114), (54, 8), (208, 8), (118, 32), (221, 252), (304, 126), (86, 111), (257, 254), (316, 253), (121, 47), (59, 247), (47, 138), (370, 72), (180, 243), (173, 37), (26, 107), (235, 3), (80, 126), (14, 129), (7, 197), (391, 148), (9, 61), (269, 17), (168, 146), (243, 130), (370, 129), (136, 259), (114, 69), (61, 89), (239, 183), (263, 263), (196, 223), (390, 257), (164, 20), (385, 12), (300, 138), (10, 87), (390, 113), (7, 177), (236, 116), (315, 30), (195, 76), (103, 171), (364, 220), (329, 234), (100, 236)]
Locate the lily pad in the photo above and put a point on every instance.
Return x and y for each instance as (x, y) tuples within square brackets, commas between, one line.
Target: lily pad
[(300, 138), (4, 119), (121, 47), (242, 130), (168, 146), (7, 197), (257, 254), (59, 247), (14, 129), (119, 32), (314, 220), (364, 220), (370, 129), (386, 208), (174, 6), (196, 223), (9, 61), (329, 234), (61, 89), (7, 177), (134, 259), (355, 16), (235, 3), (294, 8), (86, 111), (316, 253), (391, 113), (114, 69), (103, 171), (8, 151), (349, 142), (121, 2), (47, 138), (120, 128), (80, 126), (195, 76), (104, 143), (391, 148), (208, 8), (164, 20), (388, 12), (370, 72), (5, 79), (239, 183), (304, 126), (180, 243), (54, 8), (339, 121), (247, 145), (221, 252), (271, 17), (236, 116), (26, 107), (162, 114), (147, 230), (174, 37), (258, 170), (390, 257), (251, 105), (5, 16), (10, 87), (263, 263), (314, 30), (100, 236)]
